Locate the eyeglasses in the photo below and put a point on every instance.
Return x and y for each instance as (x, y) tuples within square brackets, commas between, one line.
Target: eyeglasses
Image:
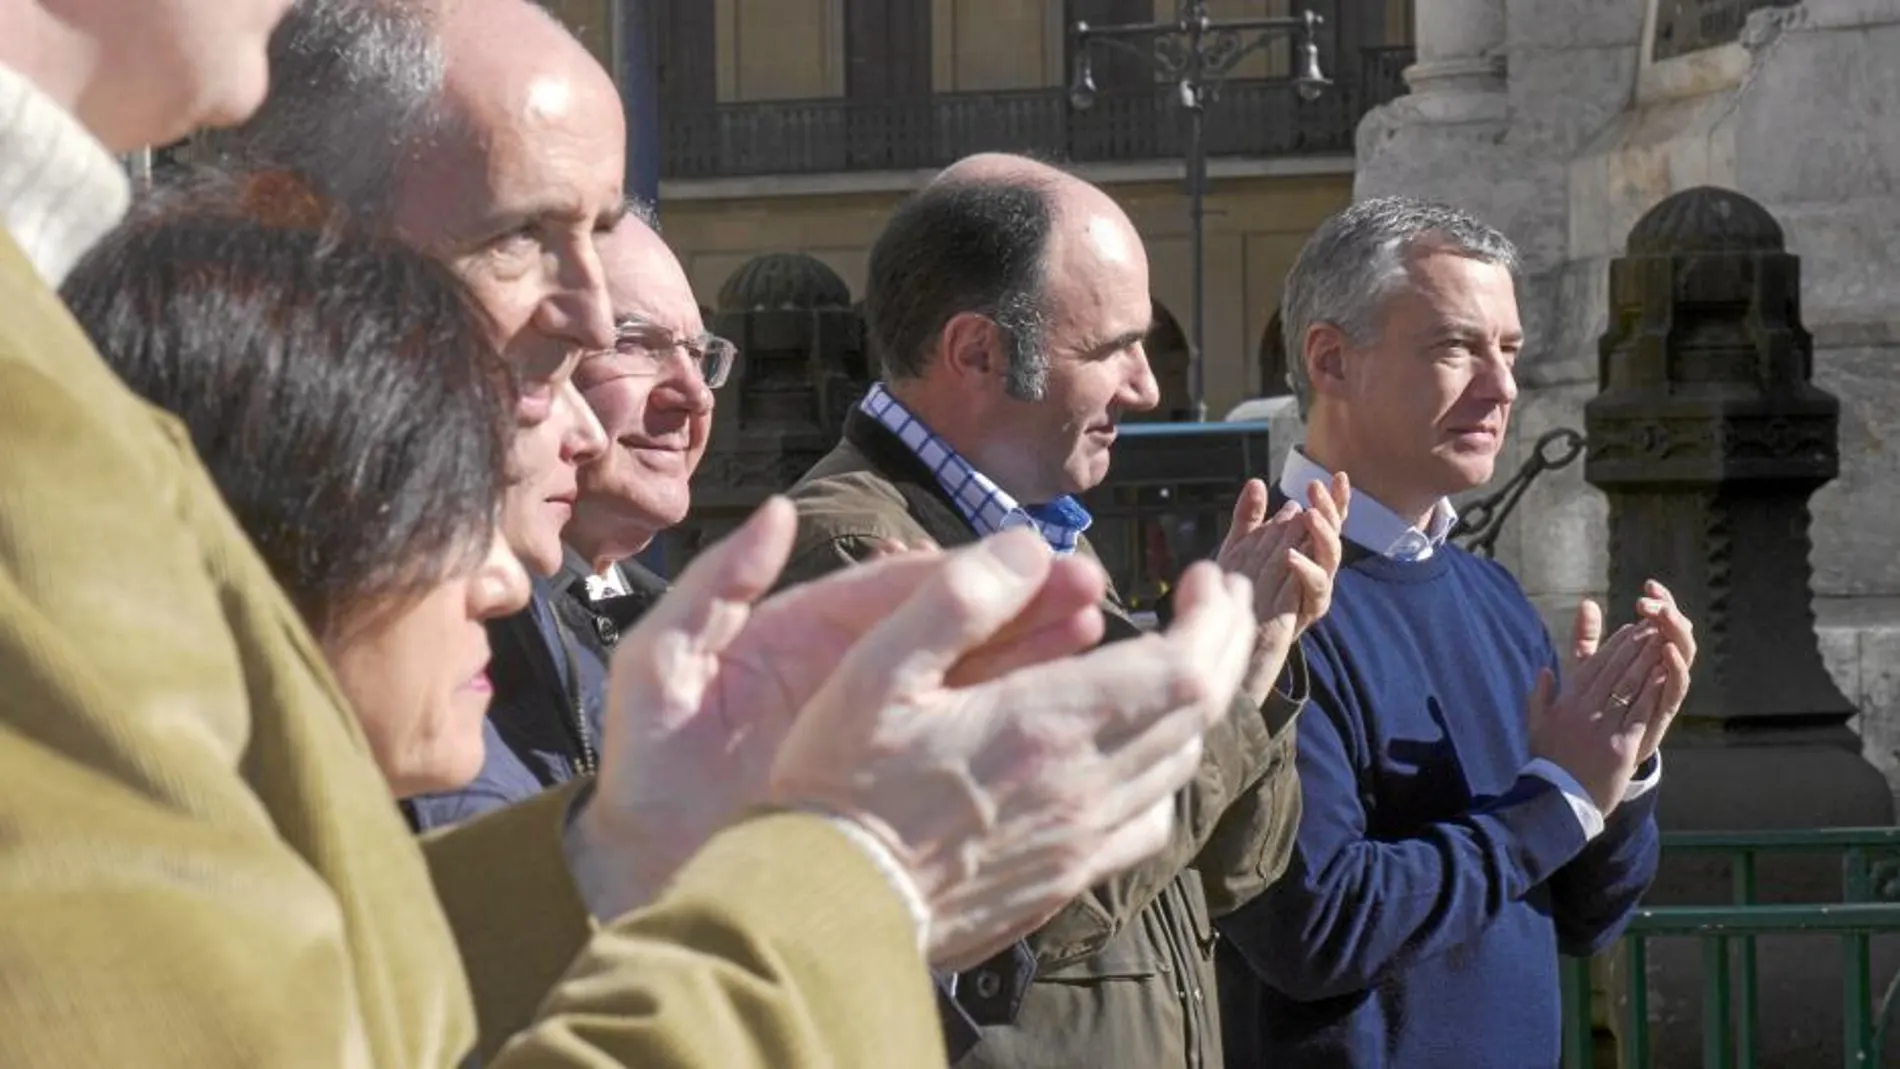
[(642, 348)]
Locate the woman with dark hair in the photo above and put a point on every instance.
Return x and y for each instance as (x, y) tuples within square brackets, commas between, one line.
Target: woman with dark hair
[(344, 394)]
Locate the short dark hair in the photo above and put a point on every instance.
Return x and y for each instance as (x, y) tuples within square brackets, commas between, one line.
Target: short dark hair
[(963, 246), (644, 210), (341, 388)]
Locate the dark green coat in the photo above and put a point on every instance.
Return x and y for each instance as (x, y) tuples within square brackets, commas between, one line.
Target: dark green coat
[(1125, 974)]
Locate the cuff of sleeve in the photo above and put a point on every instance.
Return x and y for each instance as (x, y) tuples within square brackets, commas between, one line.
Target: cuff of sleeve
[(781, 933), (512, 956), (1648, 775), (894, 873), (1589, 817), (1290, 692)]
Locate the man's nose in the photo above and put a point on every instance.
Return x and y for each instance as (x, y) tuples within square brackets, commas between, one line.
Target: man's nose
[(501, 583), (583, 439), (576, 308), (683, 386), (1499, 381), (1141, 392)]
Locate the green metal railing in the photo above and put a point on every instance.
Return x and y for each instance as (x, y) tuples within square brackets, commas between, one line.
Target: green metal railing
[(1728, 1038)]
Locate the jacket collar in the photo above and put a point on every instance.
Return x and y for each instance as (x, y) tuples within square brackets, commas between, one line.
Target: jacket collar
[(644, 588), (870, 446), (885, 454)]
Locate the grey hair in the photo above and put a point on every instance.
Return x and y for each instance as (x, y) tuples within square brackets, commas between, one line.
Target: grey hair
[(638, 207), (355, 84), (1357, 258), (1025, 326)]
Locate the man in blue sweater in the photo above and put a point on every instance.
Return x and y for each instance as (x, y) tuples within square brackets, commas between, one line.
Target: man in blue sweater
[(1466, 819)]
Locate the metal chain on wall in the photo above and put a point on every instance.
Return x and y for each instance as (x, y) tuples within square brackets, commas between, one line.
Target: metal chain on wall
[(1481, 521)]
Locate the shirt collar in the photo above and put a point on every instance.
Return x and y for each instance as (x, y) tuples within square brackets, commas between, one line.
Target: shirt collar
[(575, 567), (1368, 522), (987, 506), (607, 584), (60, 189)]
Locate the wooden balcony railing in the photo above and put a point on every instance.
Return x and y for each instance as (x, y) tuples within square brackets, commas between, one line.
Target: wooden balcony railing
[(1251, 118)]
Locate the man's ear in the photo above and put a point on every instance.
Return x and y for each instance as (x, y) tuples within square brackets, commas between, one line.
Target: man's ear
[(971, 347), (1325, 355)]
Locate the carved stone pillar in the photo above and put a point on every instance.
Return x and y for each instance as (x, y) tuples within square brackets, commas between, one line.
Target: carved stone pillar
[(1459, 46), (1708, 437), (801, 367), (1458, 74)]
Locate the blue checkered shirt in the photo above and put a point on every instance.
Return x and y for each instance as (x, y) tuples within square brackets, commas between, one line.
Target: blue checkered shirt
[(988, 508)]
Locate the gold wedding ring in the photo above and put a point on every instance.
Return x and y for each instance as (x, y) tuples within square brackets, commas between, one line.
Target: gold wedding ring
[(1619, 701)]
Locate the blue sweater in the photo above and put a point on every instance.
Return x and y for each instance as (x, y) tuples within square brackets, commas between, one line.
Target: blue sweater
[(1432, 885)]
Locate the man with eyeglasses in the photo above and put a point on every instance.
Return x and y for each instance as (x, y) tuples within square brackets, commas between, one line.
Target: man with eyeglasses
[(652, 393)]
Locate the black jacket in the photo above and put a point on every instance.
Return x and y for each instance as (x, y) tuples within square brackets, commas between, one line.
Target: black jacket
[(549, 668)]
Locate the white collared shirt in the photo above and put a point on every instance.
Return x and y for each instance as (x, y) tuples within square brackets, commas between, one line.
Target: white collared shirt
[(608, 584), (1369, 523), (1378, 528)]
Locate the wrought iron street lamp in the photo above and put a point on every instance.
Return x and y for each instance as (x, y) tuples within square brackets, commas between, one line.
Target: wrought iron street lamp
[(1196, 53)]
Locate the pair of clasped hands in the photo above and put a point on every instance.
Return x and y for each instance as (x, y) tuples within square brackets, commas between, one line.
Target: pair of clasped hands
[(1619, 696), (941, 701)]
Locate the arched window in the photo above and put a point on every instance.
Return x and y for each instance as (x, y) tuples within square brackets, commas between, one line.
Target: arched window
[(1167, 349), (1273, 365)]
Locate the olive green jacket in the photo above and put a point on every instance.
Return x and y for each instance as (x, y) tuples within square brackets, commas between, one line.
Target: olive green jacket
[(1125, 974), (201, 866)]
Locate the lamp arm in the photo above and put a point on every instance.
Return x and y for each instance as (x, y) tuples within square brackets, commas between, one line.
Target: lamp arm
[(1151, 54), (1225, 57)]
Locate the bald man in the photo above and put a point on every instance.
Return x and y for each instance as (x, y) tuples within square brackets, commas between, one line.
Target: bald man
[(1008, 302), (480, 131)]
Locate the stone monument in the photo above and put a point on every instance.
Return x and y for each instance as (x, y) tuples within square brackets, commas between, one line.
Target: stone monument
[(1708, 436)]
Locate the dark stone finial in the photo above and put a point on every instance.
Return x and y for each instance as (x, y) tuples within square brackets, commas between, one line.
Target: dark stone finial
[(781, 280), (1708, 436), (1705, 219)]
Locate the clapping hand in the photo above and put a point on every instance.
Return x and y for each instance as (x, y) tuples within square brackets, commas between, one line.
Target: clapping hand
[(1007, 799), (928, 698), (1620, 698), (1292, 559), (704, 690), (1658, 606)]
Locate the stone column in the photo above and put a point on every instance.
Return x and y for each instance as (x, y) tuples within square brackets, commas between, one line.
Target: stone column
[(1459, 73), (1709, 436)]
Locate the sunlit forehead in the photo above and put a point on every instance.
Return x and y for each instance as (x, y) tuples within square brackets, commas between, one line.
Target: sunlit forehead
[(550, 96), (1113, 240)]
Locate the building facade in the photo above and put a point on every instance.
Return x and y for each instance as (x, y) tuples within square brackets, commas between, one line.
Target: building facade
[(797, 125)]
